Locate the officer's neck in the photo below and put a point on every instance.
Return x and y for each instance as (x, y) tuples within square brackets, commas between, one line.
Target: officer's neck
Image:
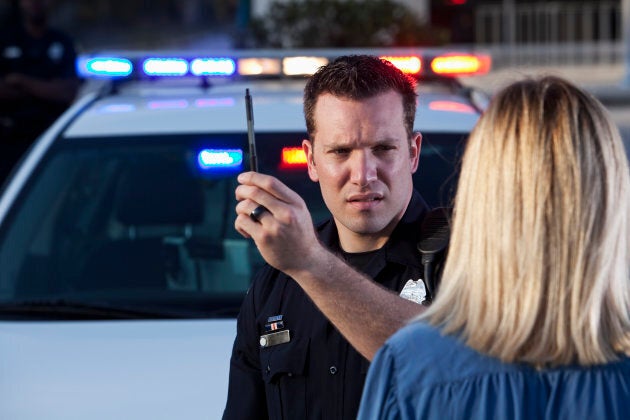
[(352, 242)]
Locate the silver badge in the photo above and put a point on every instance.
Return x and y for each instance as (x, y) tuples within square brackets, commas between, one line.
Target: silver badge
[(414, 291)]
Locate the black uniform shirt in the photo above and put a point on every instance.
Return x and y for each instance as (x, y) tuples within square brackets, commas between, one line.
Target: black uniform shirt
[(52, 56), (317, 374)]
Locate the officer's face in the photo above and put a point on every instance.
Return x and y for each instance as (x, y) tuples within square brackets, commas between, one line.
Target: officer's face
[(363, 161)]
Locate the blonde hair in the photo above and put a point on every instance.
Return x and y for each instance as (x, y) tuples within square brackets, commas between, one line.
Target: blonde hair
[(537, 269)]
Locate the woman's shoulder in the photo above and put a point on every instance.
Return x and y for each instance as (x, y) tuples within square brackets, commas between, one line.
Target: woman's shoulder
[(432, 357), (424, 339), (422, 351)]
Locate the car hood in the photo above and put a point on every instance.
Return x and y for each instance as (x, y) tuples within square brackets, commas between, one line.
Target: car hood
[(114, 369)]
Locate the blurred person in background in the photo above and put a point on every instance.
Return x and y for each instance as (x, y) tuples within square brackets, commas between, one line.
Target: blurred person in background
[(38, 78), (533, 315)]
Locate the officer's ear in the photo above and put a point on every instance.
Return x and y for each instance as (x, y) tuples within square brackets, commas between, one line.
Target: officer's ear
[(414, 150), (307, 146)]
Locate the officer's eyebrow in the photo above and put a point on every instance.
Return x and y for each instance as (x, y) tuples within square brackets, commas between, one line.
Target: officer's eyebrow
[(345, 144)]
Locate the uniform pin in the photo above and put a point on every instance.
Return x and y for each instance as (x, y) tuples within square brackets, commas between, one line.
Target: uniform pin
[(274, 323), (274, 318)]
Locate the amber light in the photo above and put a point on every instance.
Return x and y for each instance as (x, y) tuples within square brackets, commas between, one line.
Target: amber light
[(408, 64), (302, 66), (259, 66), (293, 157), (460, 65)]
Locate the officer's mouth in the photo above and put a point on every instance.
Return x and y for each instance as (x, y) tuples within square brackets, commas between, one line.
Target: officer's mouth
[(365, 201)]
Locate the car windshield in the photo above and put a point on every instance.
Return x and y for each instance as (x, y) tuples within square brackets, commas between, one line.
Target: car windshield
[(135, 226)]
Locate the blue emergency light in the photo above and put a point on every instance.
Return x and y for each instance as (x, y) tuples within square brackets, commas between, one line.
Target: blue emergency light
[(209, 159), (165, 67), (104, 67), (212, 67)]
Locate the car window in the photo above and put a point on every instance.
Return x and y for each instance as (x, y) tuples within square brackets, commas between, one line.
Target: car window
[(438, 169), (136, 221)]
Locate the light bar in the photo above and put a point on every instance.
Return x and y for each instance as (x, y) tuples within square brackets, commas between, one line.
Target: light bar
[(414, 62), (212, 67), (408, 65), (220, 158), (293, 157), (259, 66), (460, 65), (165, 67), (104, 67), (302, 66)]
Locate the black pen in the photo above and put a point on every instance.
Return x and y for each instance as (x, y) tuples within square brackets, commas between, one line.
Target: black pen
[(253, 159)]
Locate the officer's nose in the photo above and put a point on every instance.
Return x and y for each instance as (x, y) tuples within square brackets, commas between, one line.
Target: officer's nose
[(363, 168)]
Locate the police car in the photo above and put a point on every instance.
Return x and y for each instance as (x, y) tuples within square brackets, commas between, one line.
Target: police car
[(121, 274)]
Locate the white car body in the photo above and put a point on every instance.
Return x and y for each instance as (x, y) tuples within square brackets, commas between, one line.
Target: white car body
[(114, 369)]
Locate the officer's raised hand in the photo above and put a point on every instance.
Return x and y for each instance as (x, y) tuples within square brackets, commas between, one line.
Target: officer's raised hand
[(282, 228)]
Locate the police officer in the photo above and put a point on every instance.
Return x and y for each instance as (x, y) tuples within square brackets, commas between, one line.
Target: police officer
[(38, 79), (289, 360)]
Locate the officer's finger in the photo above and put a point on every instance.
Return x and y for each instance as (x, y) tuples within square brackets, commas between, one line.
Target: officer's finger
[(291, 209), (248, 194), (248, 211), (253, 209), (242, 231), (271, 185), (245, 206), (246, 226)]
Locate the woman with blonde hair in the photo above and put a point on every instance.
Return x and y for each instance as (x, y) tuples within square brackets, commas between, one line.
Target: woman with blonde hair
[(532, 319)]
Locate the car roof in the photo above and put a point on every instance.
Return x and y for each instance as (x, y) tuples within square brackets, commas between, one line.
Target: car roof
[(186, 107)]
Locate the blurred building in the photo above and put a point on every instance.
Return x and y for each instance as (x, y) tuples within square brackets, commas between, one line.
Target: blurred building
[(176, 23), (549, 32), (528, 21), (506, 21), (420, 7)]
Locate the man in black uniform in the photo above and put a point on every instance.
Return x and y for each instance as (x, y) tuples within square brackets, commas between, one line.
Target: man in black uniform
[(38, 79), (288, 360)]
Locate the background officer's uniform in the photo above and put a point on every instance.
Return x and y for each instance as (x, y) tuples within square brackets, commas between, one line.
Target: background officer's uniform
[(52, 56), (317, 374)]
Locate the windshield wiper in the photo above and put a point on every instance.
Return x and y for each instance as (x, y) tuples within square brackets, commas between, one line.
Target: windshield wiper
[(71, 309)]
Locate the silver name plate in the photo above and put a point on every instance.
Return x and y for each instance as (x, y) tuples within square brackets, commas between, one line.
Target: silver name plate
[(273, 339)]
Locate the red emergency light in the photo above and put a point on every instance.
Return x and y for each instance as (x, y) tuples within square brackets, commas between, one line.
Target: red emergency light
[(460, 64), (292, 158)]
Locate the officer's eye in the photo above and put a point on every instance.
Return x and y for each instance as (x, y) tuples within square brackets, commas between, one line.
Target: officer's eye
[(384, 148)]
